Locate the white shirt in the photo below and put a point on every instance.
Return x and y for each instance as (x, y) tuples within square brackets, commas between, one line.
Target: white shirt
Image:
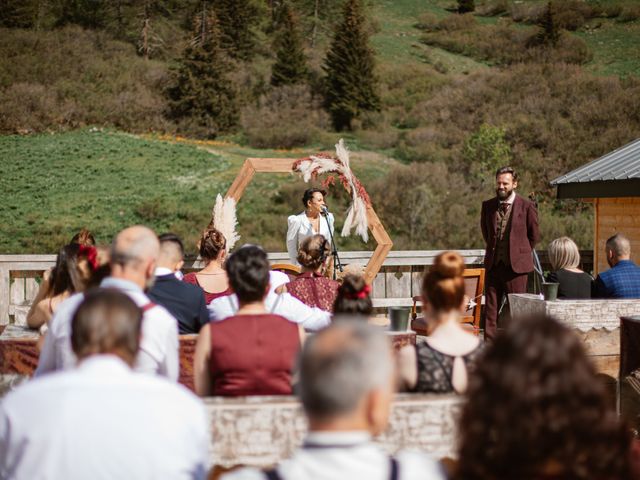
[(102, 421), (283, 304), (299, 228), (346, 456), (158, 346)]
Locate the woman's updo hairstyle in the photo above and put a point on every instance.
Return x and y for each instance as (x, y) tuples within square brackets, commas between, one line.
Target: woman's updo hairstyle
[(248, 272), (353, 297), (211, 244), (313, 252), (443, 285)]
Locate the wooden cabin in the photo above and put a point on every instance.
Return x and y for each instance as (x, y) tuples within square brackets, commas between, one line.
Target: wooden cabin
[(612, 184)]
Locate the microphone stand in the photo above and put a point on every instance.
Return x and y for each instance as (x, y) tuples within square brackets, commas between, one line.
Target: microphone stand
[(334, 250)]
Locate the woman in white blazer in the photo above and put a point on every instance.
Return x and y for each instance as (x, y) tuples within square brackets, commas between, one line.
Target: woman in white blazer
[(310, 222)]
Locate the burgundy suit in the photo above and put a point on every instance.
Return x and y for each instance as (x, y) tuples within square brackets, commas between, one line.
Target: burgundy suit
[(511, 277)]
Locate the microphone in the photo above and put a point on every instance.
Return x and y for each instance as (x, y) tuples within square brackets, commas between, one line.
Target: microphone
[(324, 210)]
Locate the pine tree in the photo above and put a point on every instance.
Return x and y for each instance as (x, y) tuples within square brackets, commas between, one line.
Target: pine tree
[(550, 33), (349, 66), (237, 19), (466, 6), (291, 63), (201, 91)]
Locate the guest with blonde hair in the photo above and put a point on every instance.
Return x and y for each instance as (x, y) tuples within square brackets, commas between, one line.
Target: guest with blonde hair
[(565, 258)]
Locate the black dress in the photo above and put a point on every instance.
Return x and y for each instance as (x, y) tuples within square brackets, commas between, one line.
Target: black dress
[(435, 368), (573, 285)]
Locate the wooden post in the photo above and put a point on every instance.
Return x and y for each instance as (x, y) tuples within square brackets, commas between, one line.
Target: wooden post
[(4, 295)]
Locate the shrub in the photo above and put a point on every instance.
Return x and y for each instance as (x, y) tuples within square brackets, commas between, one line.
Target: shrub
[(286, 117), (629, 13), (427, 21), (457, 22), (493, 8)]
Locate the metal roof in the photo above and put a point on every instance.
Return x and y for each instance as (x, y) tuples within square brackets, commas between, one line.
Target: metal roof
[(616, 174)]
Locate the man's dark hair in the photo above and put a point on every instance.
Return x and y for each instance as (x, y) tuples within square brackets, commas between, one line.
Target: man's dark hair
[(503, 170), (248, 272), (107, 321), (308, 195), (172, 238)]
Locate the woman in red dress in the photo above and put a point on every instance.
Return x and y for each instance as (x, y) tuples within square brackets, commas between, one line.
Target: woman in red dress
[(252, 352), (311, 286), (212, 279)]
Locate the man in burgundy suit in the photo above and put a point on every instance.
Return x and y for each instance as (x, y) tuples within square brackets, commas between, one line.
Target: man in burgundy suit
[(510, 230)]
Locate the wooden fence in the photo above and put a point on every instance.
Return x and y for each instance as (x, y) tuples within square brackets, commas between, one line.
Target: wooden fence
[(395, 284)]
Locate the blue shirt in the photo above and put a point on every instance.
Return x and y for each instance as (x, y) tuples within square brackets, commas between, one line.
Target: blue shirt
[(620, 281)]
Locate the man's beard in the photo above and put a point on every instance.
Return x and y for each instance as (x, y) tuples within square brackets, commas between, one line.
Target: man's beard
[(503, 194)]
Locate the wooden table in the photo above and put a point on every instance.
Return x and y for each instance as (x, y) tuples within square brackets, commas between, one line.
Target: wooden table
[(19, 354)]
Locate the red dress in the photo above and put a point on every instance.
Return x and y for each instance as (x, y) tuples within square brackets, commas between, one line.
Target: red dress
[(314, 290), (208, 296), (253, 355)]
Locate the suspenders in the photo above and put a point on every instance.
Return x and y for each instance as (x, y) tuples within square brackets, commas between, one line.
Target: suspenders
[(393, 473)]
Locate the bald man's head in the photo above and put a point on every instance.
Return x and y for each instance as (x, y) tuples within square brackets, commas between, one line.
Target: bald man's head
[(134, 244), (134, 253)]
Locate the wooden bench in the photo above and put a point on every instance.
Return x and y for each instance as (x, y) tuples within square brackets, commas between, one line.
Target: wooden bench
[(261, 431)]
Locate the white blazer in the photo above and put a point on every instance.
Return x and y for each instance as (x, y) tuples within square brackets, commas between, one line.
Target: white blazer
[(300, 228)]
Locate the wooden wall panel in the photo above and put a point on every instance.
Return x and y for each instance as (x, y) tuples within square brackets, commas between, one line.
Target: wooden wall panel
[(616, 215)]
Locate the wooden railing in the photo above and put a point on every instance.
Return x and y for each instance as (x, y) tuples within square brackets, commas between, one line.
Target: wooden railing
[(395, 284)]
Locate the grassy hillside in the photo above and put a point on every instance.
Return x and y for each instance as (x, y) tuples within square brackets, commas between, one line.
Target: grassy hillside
[(105, 180)]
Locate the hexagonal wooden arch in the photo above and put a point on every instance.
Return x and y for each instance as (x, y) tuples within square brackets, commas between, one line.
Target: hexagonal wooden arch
[(252, 166)]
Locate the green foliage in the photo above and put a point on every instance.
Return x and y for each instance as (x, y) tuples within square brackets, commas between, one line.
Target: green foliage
[(291, 63), (202, 93), (86, 13), (54, 184), (237, 19), (484, 152), (466, 6), (351, 85)]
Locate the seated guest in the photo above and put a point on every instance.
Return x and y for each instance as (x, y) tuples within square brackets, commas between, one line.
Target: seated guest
[(311, 286), (251, 352), (101, 419), (536, 410), (183, 300), (346, 388), (212, 279), (74, 266), (565, 258), (284, 304), (133, 259), (622, 280), (440, 364), (353, 297)]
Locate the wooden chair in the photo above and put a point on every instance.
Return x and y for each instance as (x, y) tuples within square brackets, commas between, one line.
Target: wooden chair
[(291, 270), (474, 288)]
